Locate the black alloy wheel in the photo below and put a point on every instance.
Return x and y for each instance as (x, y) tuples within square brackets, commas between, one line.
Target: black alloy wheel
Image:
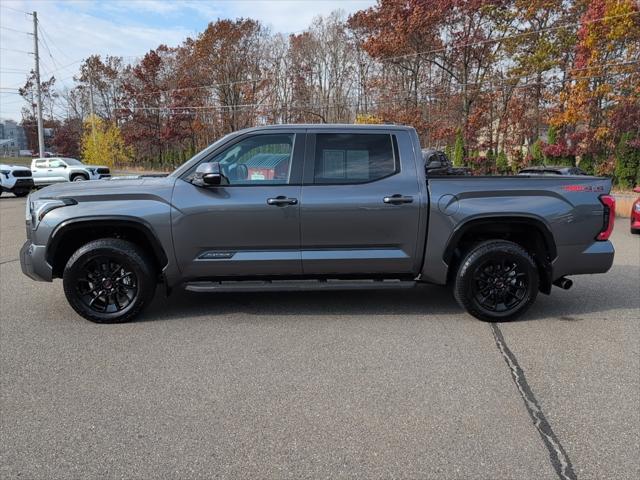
[(106, 286), (109, 280), (500, 285), (497, 281)]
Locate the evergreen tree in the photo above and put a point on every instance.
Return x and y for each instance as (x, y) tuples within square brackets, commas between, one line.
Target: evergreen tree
[(458, 150), (502, 163), (627, 162)]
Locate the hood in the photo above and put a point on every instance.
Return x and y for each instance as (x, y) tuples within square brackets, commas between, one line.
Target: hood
[(90, 166), (94, 189)]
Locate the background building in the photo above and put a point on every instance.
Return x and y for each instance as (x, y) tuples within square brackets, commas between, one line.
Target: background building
[(12, 138)]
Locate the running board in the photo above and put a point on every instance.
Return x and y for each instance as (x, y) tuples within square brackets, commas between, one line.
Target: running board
[(296, 285)]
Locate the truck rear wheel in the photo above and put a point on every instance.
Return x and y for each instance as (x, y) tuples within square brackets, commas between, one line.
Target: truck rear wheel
[(109, 280), (497, 281)]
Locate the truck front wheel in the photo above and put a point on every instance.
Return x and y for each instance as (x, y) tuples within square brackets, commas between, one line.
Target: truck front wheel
[(497, 281), (109, 280)]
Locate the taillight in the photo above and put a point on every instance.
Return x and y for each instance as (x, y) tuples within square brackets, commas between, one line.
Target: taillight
[(609, 217)]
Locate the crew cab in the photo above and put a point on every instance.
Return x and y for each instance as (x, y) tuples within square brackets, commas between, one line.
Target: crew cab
[(297, 207), (15, 179), (63, 169)]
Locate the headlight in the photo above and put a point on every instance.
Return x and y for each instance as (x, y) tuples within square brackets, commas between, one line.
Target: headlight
[(40, 207), (92, 171), (636, 207), (5, 173)]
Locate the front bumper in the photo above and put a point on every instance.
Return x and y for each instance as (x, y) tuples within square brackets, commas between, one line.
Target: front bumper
[(19, 185), (34, 262)]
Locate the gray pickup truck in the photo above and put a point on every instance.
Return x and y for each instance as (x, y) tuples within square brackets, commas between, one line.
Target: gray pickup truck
[(297, 207)]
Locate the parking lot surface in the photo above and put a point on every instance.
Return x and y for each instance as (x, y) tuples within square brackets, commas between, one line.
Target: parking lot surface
[(390, 384)]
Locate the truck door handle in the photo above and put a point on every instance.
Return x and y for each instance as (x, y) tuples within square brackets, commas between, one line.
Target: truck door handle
[(282, 201), (397, 199)]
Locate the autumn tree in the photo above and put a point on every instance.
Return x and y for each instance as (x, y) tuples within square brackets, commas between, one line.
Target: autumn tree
[(228, 56), (68, 137), (29, 113), (102, 143), (604, 73)]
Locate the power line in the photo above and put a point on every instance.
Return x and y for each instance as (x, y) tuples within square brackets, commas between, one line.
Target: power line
[(15, 10), (14, 50), (507, 37), (332, 105), (261, 79), (12, 70), (15, 30), (385, 58), (44, 42), (46, 34)]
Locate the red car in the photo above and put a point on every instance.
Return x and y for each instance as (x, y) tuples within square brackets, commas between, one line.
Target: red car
[(635, 214)]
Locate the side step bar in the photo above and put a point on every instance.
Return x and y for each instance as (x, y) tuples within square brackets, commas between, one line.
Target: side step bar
[(296, 285)]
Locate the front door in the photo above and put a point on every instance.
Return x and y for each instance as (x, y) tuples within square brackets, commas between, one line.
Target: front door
[(361, 204), (250, 226), (57, 171)]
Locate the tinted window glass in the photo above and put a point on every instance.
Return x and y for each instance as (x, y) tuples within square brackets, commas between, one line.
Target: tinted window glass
[(262, 159), (56, 164), (353, 158), (73, 161)]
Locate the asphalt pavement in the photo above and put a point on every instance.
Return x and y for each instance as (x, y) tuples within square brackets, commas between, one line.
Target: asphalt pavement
[(390, 384)]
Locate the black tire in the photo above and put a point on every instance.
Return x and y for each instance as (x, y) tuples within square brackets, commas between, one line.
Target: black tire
[(497, 281), (79, 177), (106, 274), (21, 193)]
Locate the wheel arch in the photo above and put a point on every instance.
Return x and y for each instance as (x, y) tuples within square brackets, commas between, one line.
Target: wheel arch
[(75, 174), (530, 232), (72, 234)]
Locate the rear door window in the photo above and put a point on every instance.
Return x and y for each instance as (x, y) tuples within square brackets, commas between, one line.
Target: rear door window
[(346, 158)]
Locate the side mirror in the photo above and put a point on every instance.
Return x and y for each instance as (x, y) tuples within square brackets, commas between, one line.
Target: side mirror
[(434, 164), (209, 174), (63, 166)]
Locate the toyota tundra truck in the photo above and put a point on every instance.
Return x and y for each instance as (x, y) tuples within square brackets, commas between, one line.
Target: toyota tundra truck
[(47, 171), (299, 207)]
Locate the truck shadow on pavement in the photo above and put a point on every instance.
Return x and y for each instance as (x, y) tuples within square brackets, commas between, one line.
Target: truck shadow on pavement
[(586, 298)]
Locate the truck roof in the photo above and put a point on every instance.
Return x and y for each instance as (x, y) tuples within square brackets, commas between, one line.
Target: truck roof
[(325, 126)]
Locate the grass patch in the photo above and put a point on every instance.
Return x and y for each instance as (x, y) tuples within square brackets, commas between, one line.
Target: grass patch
[(25, 161)]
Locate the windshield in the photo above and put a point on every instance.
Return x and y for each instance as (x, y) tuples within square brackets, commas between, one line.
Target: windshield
[(72, 161)]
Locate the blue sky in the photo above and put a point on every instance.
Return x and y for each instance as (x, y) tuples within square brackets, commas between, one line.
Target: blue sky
[(75, 29)]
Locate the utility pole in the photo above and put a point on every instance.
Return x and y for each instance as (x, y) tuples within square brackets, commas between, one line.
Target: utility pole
[(93, 114), (39, 93)]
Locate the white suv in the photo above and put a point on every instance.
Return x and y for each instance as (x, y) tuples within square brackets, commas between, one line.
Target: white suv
[(15, 179), (61, 169)]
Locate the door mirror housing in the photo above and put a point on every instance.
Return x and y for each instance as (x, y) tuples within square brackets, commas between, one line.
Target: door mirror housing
[(209, 174), (434, 163)]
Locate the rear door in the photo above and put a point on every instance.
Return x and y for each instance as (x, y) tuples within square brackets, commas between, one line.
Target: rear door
[(361, 203), (252, 225), (39, 171)]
